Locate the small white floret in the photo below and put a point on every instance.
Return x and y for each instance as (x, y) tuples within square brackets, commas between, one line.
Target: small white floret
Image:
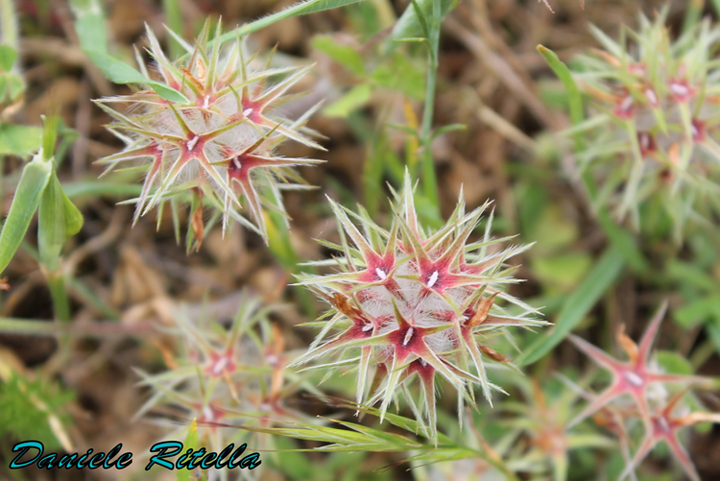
[(408, 336), (433, 279), (192, 142), (634, 379)]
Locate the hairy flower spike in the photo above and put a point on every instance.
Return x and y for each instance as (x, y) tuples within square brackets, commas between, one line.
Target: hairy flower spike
[(220, 142), (654, 112), (414, 302)]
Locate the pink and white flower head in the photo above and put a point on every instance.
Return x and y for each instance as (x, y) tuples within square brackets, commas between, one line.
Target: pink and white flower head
[(217, 146), (652, 131), (410, 303)]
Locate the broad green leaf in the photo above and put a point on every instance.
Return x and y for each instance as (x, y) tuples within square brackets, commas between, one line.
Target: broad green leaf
[(598, 280), (554, 231), (356, 98), (342, 54), (561, 273), (673, 362), (19, 140), (304, 8), (119, 72), (11, 87), (698, 311), (400, 74), (8, 55), (34, 178), (90, 25)]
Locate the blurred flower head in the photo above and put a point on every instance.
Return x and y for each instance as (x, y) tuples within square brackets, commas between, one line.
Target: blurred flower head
[(217, 147), (651, 138), (640, 379), (224, 375), (411, 303)]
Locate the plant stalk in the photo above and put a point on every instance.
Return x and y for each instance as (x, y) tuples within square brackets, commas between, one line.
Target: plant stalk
[(429, 178), (8, 23)]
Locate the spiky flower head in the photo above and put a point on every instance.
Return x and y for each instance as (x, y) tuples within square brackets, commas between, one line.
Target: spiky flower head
[(411, 303), (641, 381), (538, 428), (217, 146), (224, 375), (652, 134)]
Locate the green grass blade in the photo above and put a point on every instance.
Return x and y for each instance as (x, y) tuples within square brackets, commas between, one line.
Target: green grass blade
[(19, 140), (304, 8), (33, 181), (573, 92), (599, 279), (175, 23), (693, 14)]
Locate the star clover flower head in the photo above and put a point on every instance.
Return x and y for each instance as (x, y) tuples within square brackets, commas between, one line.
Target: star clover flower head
[(651, 135), (640, 379), (215, 143), (224, 375), (409, 304)]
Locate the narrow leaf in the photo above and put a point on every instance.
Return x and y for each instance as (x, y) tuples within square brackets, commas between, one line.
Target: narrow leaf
[(599, 279), (304, 8), (33, 180), (119, 72)]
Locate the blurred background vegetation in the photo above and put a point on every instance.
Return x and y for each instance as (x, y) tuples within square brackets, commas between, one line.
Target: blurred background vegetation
[(498, 108)]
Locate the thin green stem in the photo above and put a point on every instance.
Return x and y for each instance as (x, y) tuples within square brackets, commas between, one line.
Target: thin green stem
[(97, 329), (61, 308), (8, 23), (429, 178), (61, 302), (693, 14), (175, 23)]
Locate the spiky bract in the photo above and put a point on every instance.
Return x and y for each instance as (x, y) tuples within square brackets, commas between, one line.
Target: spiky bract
[(217, 146), (412, 303), (652, 133)]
